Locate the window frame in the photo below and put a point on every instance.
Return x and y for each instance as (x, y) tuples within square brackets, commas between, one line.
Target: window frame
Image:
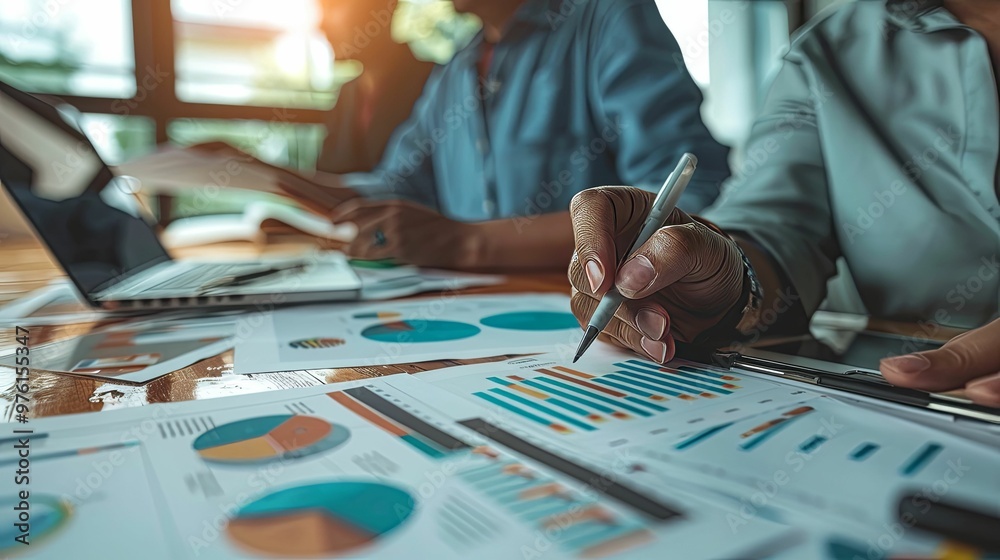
[(153, 44)]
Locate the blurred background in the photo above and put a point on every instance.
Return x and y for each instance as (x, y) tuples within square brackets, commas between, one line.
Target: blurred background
[(260, 74)]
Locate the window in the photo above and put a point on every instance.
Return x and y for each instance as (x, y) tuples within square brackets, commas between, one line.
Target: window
[(200, 59), (83, 48), (258, 74), (253, 52), (688, 21)]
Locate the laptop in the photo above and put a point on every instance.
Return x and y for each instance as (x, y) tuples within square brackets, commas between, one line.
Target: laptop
[(94, 227)]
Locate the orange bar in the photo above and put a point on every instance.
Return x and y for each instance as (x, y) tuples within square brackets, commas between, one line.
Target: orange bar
[(367, 413), (590, 386), (574, 372), (529, 392)]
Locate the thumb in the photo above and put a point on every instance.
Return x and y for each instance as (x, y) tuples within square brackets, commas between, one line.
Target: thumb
[(964, 358)]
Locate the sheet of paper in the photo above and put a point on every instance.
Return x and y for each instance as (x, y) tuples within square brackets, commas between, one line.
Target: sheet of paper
[(58, 303), (137, 350), (400, 281), (363, 472), (174, 169), (752, 438), (443, 327)]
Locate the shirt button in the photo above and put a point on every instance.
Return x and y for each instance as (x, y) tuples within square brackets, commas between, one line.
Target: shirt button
[(489, 207), (481, 145)]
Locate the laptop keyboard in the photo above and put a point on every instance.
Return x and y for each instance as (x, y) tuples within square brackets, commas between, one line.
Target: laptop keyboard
[(196, 276)]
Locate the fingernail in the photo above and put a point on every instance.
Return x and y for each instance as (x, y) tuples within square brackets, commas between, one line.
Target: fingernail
[(656, 349), (651, 324), (595, 275), (636, 274), (911, 364)]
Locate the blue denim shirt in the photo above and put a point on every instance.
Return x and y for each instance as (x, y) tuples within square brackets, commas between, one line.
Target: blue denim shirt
[(579, 93)]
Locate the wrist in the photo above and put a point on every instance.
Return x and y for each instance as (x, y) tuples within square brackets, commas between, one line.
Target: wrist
[(471, 245), (743, 315)]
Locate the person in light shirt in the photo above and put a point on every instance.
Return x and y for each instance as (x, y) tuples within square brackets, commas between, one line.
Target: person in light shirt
[(879, 144)]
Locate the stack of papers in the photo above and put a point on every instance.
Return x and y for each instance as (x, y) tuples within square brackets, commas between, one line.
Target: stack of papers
[(613, 457)]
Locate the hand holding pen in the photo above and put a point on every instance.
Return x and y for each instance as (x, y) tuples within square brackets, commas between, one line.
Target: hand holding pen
[(682, 280)]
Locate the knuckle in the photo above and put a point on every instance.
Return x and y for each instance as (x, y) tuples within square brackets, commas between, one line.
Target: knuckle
[(686, 236), (959, 356), (623, 331)]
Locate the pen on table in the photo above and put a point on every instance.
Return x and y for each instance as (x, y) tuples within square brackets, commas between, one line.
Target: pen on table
[(241, 278), (663, 205)]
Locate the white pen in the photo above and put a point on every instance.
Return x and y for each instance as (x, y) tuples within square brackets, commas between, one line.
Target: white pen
[(663, 205)]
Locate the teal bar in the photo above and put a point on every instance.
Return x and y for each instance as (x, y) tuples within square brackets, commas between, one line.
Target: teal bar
[(683, 389), (864, 451), (620, 376), (596, 406), (690, 386), (701, 436), (551, 400), (699, 382), (554, 413), (812, 444), (920, 459), (767, 435), (655, 407), (423, 446), (514, 409), (594, 396), (620, 387)]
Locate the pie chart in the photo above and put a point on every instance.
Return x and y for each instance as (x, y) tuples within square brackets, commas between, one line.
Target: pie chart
[(269, 438), (325, 519), (48, 515), (532, 321), (420, 331)]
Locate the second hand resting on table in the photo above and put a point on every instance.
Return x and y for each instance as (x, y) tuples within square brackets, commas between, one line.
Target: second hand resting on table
[(688, 277)]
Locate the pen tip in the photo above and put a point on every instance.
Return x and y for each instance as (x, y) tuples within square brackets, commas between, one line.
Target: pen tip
[(588, 339)]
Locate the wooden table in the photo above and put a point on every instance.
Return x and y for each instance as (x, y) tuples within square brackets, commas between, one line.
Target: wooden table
[(24, 266)]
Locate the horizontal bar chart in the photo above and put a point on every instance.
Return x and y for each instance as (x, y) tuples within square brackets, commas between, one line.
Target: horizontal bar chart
[(582, 524), (574, 400)]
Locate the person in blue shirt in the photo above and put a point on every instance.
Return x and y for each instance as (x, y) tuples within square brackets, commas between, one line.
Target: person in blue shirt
[(550, 98)]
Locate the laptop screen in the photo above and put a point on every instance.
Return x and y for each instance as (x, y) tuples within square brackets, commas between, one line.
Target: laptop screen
[(82, 212)]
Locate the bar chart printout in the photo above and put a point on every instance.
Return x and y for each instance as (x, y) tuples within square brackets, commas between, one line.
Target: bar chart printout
[(371, 471), (821, 441), (595, 396)]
